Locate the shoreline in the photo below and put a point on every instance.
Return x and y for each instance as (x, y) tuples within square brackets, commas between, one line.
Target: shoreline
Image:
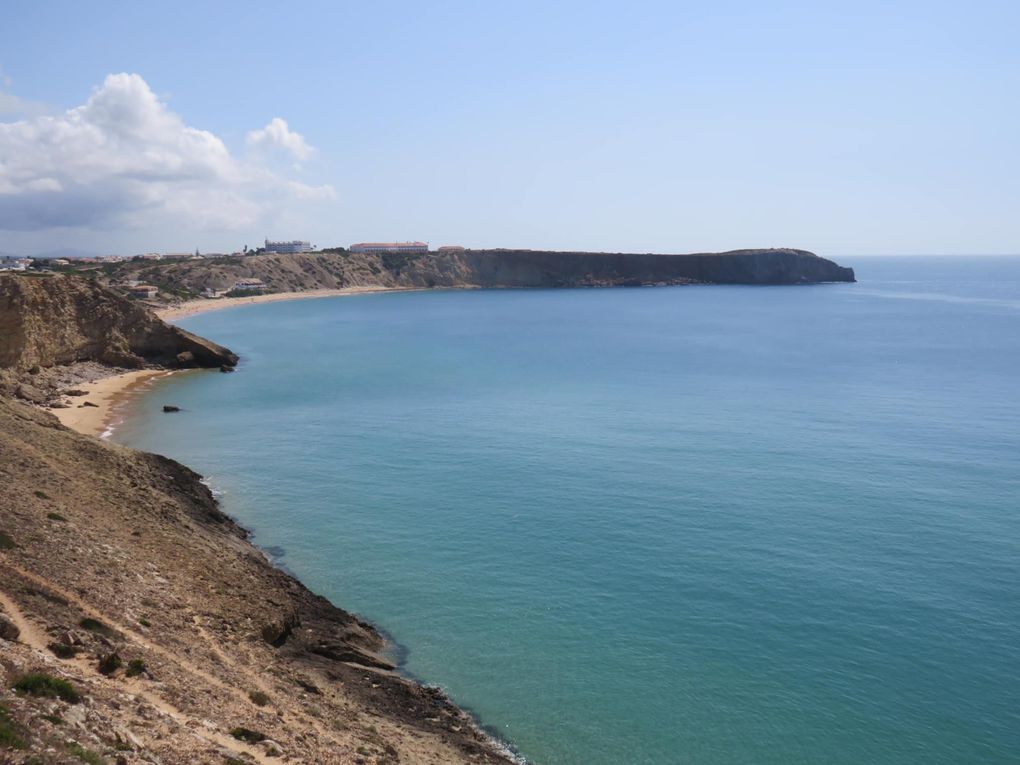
[(108, 394), (111, 393), (205, 305)]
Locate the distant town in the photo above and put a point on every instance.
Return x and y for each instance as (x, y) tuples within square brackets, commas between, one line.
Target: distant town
[(23, 262), (84, 263)]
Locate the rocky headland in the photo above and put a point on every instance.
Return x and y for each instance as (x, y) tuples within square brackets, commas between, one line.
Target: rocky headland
[(340, 269), (137, 622)]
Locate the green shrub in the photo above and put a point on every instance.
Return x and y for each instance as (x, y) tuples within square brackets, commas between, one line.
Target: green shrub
[(41, 494), (258, 698), (56, 517), (6, 543), (135, 668), (41, 684), (248, 735), (85, 755), (94, 625), (10, 735), (63, 650), (110, 663)]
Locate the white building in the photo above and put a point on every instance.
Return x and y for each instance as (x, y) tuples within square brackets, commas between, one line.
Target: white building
[(405, 247), (14, 263), (296, 245), (248, 284)]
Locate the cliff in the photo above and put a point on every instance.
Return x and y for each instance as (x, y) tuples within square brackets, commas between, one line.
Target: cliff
[(137, 624), (53, 320), (488, 269)]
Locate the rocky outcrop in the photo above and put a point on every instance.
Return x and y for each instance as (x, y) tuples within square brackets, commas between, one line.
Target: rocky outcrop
[(54, 320)]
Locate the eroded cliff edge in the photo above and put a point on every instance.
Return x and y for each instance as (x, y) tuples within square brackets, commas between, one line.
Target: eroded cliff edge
[(52, 320)]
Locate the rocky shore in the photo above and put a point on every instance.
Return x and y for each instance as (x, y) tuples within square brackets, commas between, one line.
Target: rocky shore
[(137, 622)]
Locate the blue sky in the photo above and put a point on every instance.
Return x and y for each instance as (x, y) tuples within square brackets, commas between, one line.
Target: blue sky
[(844, 128)]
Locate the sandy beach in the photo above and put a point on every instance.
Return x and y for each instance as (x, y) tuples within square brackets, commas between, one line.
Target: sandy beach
[(192, 307), (108, 394)]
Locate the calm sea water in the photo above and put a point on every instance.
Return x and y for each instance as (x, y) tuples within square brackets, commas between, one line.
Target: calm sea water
[(682, 525)]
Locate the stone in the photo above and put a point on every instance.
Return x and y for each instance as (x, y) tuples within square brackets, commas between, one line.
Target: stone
[(171, 408), (31, 394), (277, 631), (8, 629)]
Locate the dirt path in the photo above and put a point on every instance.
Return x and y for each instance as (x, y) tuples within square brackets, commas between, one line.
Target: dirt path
[(30, 635), (36, 639)]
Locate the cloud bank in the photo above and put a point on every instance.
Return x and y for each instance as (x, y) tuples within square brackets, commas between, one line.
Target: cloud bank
[(124, 159)]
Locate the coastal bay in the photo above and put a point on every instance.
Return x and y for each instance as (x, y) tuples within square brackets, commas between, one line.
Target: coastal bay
[(582, 514)]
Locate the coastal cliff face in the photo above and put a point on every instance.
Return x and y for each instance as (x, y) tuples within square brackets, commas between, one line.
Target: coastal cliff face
[(138, 624), (48, 321), (489, 269)]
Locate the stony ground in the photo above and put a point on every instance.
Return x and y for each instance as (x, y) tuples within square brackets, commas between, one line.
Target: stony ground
[(137, 625)]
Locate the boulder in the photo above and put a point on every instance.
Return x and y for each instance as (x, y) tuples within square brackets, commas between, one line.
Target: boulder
[(185, 359), (171, 408), (278, 630), (8, 629), (31, 394)]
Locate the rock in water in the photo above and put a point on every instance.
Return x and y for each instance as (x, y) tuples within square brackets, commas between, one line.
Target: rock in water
[(171, 408)]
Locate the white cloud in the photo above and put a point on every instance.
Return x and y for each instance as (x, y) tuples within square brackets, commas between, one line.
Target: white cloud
[(124, 159), (278, 134)]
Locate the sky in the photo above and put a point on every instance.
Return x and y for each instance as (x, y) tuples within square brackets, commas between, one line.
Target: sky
[(842, 128)]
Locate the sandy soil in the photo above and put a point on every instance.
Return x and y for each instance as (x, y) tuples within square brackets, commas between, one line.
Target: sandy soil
[(109, 395), (192, 307)]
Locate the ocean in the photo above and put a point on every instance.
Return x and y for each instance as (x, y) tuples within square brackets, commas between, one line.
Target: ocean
[(713, 525)]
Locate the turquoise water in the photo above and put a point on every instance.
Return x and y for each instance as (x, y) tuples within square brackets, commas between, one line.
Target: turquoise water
[(676, 525)]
